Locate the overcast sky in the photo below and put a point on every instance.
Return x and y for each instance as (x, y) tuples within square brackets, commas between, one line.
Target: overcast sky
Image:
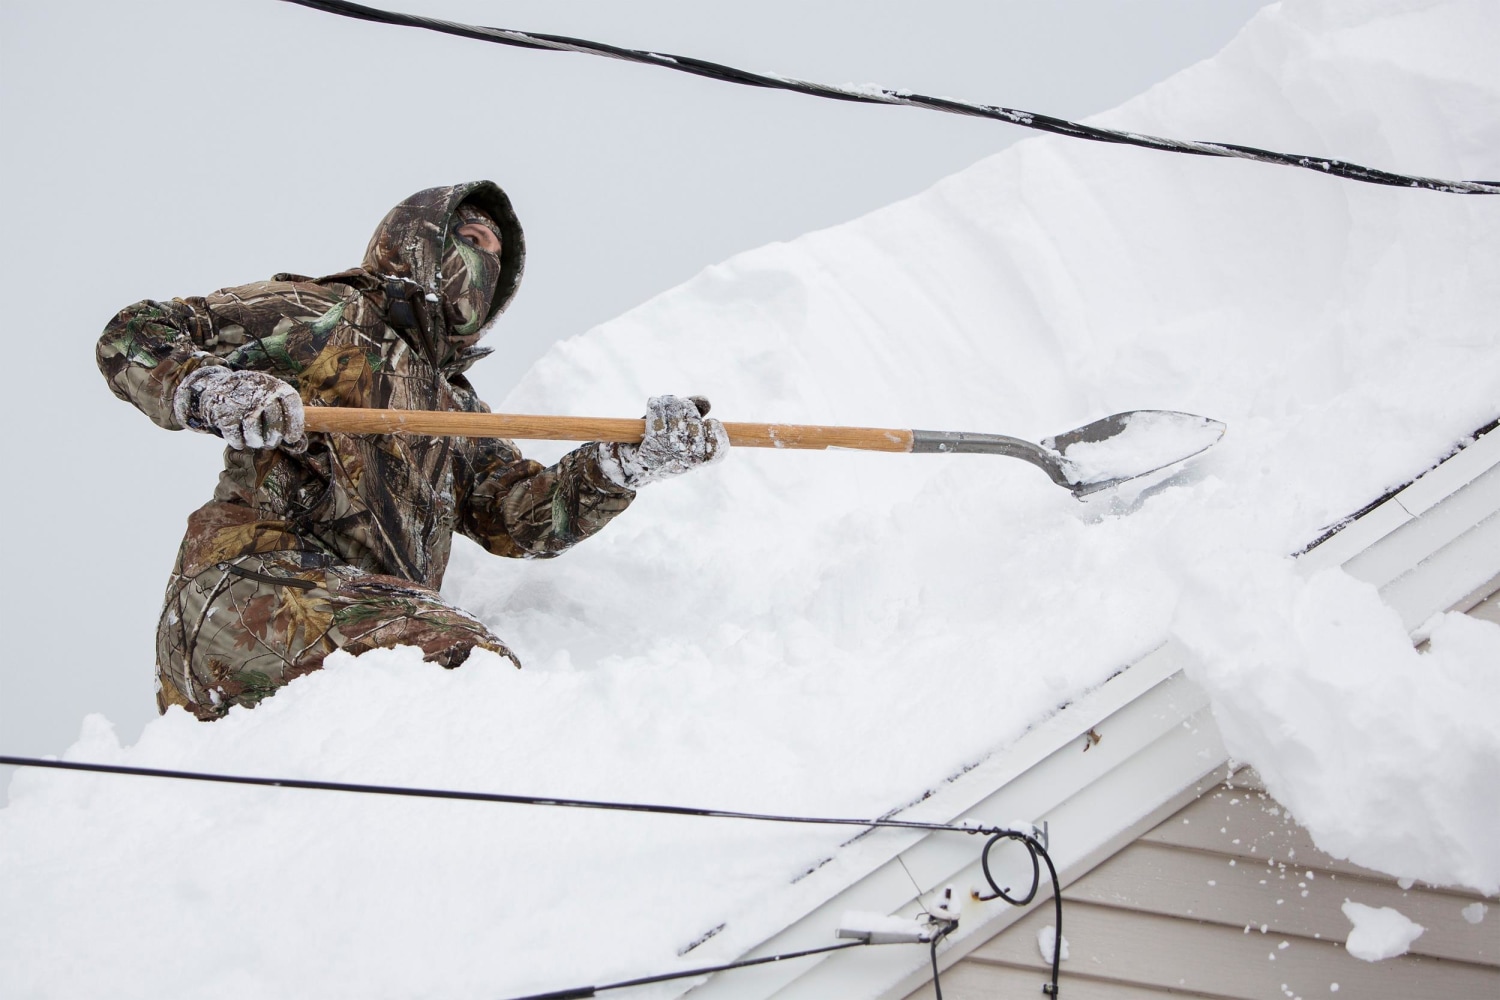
[(174, 147)]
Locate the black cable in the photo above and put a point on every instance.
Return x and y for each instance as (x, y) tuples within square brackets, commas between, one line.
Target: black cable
[(580, 992), (937, 984), (881, 95), (1036, 850), (524, 800), (995, 834)]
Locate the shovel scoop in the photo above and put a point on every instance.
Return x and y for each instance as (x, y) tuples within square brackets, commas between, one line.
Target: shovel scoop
[(1084, 460), (1098, 455)]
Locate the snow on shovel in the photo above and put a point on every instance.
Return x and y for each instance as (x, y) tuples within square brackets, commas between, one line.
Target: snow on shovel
[(1084, 460)]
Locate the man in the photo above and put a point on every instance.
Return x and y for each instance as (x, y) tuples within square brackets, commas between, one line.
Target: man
[(331, 541)]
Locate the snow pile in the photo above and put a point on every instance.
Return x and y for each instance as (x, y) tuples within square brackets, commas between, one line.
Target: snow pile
[(1386, 754), (176, 889), (835, 633), (1379, 933)]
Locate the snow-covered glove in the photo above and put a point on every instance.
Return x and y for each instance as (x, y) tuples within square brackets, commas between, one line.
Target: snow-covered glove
[(678, 438), (246, 409)]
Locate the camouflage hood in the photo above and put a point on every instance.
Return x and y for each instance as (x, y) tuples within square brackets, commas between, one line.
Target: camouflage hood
[(408, 246)]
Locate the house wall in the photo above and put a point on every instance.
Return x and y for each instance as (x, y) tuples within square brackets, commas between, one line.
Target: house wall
[(1228, 898)]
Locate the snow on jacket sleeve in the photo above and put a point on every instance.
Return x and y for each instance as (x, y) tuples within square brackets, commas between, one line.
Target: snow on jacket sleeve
[(275, 326), (147, 350), (514, 507)]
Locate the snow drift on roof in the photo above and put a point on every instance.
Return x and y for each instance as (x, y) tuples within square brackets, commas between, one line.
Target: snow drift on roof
[(835, 633)]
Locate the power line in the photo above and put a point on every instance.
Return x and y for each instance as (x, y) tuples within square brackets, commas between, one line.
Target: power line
[(499, 797), (906, 98)]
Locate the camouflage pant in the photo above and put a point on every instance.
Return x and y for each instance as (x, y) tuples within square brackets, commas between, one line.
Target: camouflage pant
[(235, 633)]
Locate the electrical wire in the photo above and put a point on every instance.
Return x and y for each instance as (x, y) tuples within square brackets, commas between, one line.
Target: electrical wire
[(1036, 851), (949, 926), (906, 98), (995, 834), (581, 992), (524, 800)]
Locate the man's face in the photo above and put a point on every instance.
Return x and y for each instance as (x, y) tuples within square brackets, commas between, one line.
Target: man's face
[(471, 273)]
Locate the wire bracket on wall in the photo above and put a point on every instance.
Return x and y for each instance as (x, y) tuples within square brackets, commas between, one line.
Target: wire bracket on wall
[(905, 98)]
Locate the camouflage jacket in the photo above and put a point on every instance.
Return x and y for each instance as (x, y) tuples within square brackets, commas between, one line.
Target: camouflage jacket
[(372, 336)]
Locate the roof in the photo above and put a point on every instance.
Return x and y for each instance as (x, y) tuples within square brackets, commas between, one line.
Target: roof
[(1117, 761)]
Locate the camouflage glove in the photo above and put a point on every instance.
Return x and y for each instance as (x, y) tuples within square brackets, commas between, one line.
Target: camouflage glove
[(678, 438), (246, 409)]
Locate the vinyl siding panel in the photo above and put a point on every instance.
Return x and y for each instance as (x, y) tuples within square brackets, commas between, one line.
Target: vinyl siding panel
[(1132, 948), (978, 980)]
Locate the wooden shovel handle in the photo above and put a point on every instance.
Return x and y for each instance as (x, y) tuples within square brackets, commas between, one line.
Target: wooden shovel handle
[(350, 420)]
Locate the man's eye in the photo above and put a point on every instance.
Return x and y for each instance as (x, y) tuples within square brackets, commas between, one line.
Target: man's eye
[(478, 236)]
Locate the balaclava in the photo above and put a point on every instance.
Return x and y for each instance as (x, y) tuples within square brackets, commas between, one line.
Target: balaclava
[(470, 276)]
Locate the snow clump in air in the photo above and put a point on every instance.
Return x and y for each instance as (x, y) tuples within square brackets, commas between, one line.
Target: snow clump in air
[(1046, 938), (1379, 934)]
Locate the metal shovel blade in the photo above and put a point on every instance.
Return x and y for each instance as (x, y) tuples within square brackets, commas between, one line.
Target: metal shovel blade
[(1125, 446), (1098, 455)]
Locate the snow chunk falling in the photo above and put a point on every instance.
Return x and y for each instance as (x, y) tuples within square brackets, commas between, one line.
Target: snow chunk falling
[(1044, 942), (1474, 912), (1379, 934)]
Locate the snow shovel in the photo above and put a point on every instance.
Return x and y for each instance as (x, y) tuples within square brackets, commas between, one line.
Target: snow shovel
[(1084, 460)]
